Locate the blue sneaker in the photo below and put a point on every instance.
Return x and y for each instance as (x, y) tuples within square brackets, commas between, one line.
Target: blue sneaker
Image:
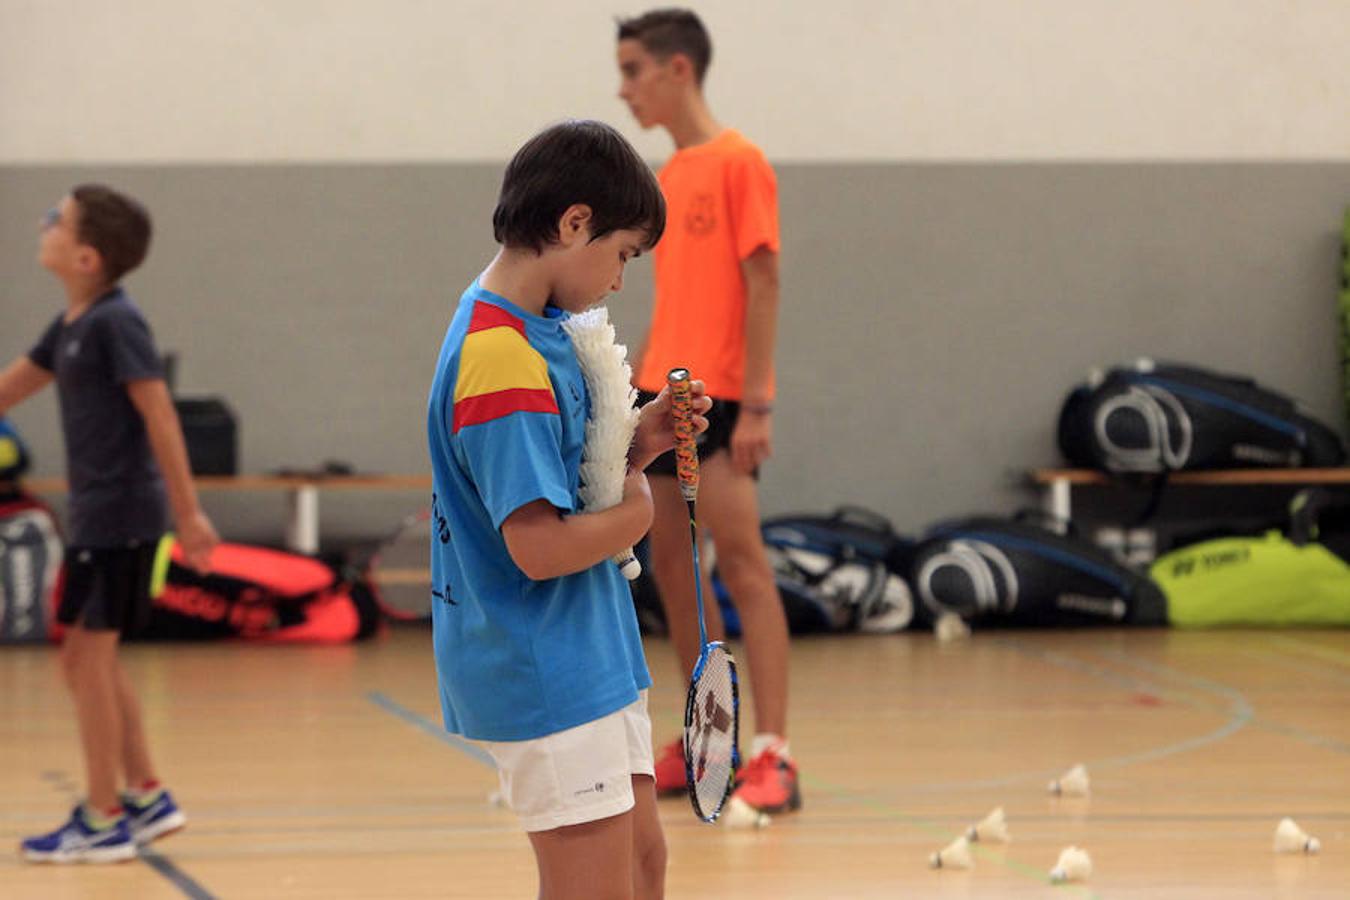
[(156, 819), (76, 842)]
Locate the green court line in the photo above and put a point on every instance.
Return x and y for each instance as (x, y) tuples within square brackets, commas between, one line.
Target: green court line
[(940, 833)]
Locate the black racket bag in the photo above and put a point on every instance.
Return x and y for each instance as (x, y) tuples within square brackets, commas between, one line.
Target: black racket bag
[(840, 572), (1159, 418), (993, 571)]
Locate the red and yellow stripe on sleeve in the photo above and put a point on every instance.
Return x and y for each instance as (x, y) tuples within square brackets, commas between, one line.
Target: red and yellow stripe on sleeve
[(499, 372)]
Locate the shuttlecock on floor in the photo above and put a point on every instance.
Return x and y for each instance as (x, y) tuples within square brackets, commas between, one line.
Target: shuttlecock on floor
[(739, 814), (1073, 783), (993, 827), (950, 627), (1073, 864), (1289, 838), (955, 855)]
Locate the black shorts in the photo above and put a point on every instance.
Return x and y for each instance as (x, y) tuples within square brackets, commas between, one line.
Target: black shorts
[(721, 422), (108, 588)]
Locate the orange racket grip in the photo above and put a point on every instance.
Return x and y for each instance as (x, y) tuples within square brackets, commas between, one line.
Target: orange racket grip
[(686, 450)]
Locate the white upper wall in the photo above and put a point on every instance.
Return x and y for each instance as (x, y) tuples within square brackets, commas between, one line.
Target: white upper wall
[(111, 81)]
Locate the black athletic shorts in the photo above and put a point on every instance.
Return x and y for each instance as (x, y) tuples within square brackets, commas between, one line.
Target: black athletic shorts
[(721, 422), (108, 588)]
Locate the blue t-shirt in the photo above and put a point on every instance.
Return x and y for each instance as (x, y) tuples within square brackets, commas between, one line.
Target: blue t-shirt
[(516, 659)]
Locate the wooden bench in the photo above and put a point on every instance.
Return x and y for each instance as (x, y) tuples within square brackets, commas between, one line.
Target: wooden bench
[(1058, 484), (302, 495)]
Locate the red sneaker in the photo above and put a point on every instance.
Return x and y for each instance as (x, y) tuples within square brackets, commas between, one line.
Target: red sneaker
[(670, 768), (769, 783)]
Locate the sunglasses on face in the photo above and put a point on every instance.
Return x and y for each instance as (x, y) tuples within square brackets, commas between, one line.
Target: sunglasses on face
[(51, 218)]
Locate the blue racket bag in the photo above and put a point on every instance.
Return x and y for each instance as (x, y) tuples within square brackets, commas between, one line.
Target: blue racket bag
[(1006, 572), (1153, 418), (840, 572)]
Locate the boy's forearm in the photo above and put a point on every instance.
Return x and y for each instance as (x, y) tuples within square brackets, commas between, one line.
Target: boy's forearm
[(550, 545), (761, 327)]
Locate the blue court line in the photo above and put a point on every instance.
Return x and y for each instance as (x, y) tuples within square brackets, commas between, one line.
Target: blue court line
[(422, 724), (180, 879), (1308, 737)]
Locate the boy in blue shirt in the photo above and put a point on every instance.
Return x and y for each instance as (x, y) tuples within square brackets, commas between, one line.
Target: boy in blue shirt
[(538, 655), (127, 467)]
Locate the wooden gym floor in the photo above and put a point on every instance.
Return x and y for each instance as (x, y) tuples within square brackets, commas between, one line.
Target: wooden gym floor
[(322, 772)]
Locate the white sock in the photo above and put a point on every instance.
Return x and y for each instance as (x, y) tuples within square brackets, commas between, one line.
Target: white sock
[(765, 741)]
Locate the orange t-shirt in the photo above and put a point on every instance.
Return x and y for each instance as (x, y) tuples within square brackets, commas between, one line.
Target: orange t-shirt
[(721, 206)]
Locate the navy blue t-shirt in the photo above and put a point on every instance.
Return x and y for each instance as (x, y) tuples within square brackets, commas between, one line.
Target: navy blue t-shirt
[(116, 492)]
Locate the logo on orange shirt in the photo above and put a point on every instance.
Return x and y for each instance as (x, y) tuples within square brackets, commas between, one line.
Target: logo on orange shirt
[(702, 216)]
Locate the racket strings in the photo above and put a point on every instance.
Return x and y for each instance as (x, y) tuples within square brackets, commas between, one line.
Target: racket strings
[(710, 732)]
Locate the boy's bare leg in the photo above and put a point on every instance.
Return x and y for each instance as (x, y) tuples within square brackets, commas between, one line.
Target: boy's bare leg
[(90, 662), (135, 748), (673, 572), (591, 861), (649, 842), (729, 507)]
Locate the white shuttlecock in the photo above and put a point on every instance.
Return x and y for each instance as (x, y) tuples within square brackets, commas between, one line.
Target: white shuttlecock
[(495, 798), (1073, 783), (613, 419), (955, 855), (1073, 864), (950, 627), (1289, 838), (993, 827), (741, 815)]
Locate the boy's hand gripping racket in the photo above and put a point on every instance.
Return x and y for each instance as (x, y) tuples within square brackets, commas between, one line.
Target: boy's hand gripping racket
[(712, 710)]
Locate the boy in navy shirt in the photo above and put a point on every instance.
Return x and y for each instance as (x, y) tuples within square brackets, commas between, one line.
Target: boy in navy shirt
[(126, 462)]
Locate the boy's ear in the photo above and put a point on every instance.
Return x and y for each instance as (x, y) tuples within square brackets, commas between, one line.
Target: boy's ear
[(575, 224), (88, 260), (681, 67)]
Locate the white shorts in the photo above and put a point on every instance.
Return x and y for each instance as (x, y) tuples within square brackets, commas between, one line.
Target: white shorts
[(579, 775)]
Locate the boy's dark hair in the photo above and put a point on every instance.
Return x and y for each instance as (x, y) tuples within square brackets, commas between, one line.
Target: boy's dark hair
[(577, 161), (671, 30), (115, 225)]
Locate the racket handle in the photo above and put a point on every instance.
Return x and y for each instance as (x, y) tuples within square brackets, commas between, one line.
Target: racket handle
[(686, 450)]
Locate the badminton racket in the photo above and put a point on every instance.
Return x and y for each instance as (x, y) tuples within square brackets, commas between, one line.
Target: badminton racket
[(712, 709)]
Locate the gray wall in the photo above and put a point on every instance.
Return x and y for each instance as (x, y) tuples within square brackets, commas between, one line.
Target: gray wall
[(934, 314)]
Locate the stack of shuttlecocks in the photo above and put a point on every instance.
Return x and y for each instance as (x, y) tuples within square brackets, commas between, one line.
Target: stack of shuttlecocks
[(741, 815), (614, 416), (1289, 838), (1073, 864), (1073, 783), (993, 828)]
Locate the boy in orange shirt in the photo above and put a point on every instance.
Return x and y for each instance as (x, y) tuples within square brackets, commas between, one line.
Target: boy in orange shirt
[(716, 310)]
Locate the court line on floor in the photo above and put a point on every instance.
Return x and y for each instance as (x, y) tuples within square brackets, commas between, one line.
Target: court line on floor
[(940, 833), (1240, 715), (426, 726), (1308, 737), (393, 707)]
